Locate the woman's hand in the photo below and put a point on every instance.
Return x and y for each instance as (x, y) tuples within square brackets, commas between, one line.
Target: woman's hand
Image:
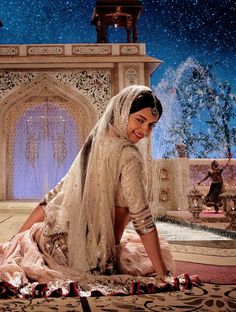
[(152, 246)]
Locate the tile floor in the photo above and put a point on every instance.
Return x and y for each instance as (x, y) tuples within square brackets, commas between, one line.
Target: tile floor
[(13, 214)]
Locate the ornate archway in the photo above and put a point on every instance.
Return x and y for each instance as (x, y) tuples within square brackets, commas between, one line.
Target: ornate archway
[(36, 109)]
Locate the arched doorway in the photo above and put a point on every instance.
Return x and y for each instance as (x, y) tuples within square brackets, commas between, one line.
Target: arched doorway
[(44, 124), (45, 144)]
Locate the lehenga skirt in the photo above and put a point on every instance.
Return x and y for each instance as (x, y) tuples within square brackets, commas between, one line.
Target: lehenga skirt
[(28, 269)]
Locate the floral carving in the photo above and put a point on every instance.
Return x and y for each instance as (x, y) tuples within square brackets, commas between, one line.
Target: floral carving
[(91, 50), (8, 50), (45, 50), (129, 50), (96, 84), (9, 80)]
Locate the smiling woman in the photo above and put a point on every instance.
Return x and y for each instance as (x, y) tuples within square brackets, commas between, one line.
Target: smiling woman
[(78, 231), (140, 124), (145, 111)]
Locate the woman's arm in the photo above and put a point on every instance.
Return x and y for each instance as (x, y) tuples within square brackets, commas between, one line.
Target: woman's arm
[(135, 194), (150, 240), (37, 215), (226, 165), (204, 179), (152, 246)]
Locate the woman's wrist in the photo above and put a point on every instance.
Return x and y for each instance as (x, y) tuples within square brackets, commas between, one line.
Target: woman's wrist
[(42, 203)]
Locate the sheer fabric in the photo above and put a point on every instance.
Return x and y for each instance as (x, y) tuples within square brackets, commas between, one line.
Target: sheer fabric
[(86, 203), (76, 241), (28, 270)]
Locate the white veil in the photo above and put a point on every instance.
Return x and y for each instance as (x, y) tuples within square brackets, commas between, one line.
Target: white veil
[(86, 200)]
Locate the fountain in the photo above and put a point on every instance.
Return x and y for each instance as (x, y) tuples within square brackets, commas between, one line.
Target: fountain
[(182, 133), (199, 111)]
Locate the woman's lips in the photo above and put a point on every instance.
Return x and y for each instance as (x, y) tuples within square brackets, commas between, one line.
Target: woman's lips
[(138, 135)]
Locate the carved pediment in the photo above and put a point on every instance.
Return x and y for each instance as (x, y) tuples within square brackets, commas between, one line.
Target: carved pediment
[(47, 89)]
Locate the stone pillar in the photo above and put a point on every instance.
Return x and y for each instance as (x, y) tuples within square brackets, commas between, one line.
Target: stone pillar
[(181, 183)]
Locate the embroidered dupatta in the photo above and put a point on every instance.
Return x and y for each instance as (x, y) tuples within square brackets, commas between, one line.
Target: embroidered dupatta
[(86, 200)]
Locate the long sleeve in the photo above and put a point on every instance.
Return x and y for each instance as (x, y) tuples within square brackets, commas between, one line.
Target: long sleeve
[(135, 194)]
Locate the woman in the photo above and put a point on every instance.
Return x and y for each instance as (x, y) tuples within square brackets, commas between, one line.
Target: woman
[(217, 185), (75, 233)]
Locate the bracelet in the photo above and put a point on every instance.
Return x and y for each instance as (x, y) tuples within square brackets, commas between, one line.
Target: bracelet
[(43, 203)]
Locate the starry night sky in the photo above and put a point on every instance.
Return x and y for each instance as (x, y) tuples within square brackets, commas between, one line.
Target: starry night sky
[(173, 30)]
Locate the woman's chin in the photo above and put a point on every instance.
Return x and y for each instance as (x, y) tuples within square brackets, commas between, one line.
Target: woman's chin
[(134, 139)]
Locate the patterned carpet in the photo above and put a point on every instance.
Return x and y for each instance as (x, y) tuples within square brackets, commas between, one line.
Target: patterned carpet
[(209, 297), (213, 261), (217, 296)]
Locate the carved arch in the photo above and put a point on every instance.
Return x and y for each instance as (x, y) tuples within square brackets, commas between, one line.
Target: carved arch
[(43, 89)]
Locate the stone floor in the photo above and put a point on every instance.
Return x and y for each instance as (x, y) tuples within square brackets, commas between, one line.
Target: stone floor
[(207, 219), (13, 214)]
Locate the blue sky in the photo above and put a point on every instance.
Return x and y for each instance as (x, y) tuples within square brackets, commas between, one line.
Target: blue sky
[(173, 30)]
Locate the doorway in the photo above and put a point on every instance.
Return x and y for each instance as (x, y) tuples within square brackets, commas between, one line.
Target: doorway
[(45, 144)]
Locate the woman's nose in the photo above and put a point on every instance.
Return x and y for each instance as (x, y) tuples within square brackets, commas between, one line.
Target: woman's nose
[(145, 129)]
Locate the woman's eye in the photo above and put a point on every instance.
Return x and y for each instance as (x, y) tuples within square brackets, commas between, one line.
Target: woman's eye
[(139, 120)]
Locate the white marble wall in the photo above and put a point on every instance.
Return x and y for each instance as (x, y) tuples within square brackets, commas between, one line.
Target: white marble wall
[(79, 77), (173, 178)]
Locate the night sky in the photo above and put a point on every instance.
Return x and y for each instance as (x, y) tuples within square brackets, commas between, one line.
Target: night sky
[(172, 30)]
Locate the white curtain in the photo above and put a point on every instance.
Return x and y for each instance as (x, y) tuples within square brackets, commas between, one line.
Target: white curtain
[(45, 145)]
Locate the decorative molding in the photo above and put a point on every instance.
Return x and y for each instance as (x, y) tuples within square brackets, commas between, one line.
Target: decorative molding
[(41, 98), (91, 50), (129, 50), (95, 84), (9, 50), (68, 50), (42, 90), (131, 75), (11, 80), (46, 50)]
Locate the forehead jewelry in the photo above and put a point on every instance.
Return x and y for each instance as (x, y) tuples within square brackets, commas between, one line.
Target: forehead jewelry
[(154, 109)]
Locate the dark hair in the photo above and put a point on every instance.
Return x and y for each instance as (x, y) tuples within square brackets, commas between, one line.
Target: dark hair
[(146, 99), (214, 163)]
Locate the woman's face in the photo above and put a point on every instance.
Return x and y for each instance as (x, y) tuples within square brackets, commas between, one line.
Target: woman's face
[(140, 124)]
